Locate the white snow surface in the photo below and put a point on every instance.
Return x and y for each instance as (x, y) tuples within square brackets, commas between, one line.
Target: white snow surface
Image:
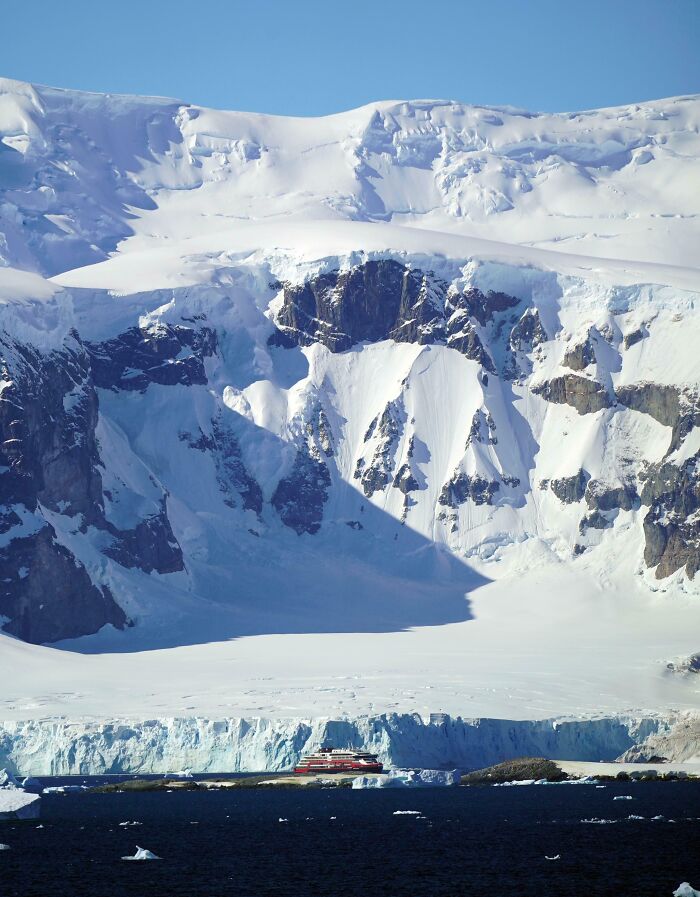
[(125, 211)]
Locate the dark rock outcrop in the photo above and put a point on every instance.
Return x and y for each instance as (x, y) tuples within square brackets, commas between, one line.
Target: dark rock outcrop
[(659, 401), (669, 405), (300, 497), (602, 496), (586, 396), (150, 545), (374, 301), (462, 487), (49, 460), (528, 333), (570, 489), (672, 524), (595, 520), (232, 476), (386, 429), (580, 355), (633, 337), (384, 299), (164, 354), (48, 595)]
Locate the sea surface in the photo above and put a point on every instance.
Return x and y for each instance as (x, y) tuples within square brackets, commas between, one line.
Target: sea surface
[(457, 842)]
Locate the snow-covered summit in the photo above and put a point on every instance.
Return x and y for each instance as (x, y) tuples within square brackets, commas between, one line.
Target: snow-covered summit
[(85, 173)]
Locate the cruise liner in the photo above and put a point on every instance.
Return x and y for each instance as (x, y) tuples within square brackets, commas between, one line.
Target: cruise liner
[(338, 760)]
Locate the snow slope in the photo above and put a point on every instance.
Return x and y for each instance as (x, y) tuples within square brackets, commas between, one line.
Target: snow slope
[(486, 506)]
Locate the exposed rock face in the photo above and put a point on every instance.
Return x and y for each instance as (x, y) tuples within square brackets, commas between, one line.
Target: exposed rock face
[(299, 498), (605, 497), (405, 481), (528, 333), (386, 300), (162, 353), (462, 487), (672, 524), (633, 337), (570, 489), (669, 405), (375, 301), (233, 478), (483, 429), (47, 593), (595, 520), (586, 396), (48, 459), (385, 430), (579, 356), (150, 546), (659, 401)]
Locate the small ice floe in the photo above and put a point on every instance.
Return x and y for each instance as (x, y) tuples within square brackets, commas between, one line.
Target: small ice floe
[(4, 846), (685, 890), (657, 818), (635, 817), (65, 789), (595, 821), (124, 824), (38, 826), (406, 813), (557, 857), (282, 819), (623, 797), (333, 817), (601, 786), (142, 854), (32, 785)]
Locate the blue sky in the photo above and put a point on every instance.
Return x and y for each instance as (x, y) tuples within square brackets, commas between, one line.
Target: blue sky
[(311, 58)]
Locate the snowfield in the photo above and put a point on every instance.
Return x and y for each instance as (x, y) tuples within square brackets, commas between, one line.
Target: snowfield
[(390, 413)]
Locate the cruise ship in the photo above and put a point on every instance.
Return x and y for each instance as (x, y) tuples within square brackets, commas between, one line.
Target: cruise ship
[(338, 760)]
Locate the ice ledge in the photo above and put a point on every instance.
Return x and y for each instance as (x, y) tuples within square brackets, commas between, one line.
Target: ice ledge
[(63, 747)]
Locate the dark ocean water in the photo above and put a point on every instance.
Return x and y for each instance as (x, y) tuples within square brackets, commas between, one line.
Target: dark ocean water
[(485, 842)]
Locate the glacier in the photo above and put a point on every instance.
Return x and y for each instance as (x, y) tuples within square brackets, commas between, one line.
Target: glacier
[(60, 747)]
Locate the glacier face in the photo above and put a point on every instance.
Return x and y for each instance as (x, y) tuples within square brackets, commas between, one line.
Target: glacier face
[(232, 745), (364, 374)]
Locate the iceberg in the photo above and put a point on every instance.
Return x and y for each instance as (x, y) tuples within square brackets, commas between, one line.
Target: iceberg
[(409, 778), (142, 854), (18, 804), (685, 890)]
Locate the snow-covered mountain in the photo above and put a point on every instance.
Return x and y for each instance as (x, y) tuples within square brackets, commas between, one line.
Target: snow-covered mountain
[(418, 381)]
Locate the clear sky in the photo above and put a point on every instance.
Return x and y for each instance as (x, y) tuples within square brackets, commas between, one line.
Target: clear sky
[(311, 57)]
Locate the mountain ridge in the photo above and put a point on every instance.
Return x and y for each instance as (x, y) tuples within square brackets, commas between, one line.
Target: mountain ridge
[(331, 375)]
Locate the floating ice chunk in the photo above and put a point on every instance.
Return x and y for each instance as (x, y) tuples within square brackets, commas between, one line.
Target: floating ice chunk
[(406, 813), (123, 824), (8, 779), (142, 854), (4, 846), (635, 817), (282, 819), (557, 857), (32, 785), (409, 778), (595, 821), (623, 797), (685, 890), (17, 804), (65, 789)]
